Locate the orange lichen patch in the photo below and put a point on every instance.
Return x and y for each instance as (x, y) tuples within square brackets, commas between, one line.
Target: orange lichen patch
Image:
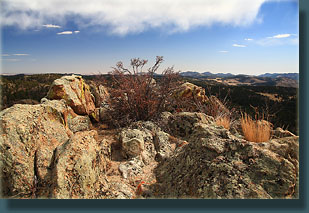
[(183, 143), (172, 139), (140, 187)]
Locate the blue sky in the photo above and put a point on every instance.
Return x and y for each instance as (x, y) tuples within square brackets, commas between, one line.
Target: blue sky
[(90, 36)]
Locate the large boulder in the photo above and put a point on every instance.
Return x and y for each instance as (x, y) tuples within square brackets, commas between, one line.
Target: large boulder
[(181, 124), (28, 136), (216, 164), (71, 120), (75, 92), (78, 169), (188, 96), (191, 91)]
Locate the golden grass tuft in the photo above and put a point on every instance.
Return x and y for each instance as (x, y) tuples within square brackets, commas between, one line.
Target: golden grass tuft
[(255, 130), (224, 121)]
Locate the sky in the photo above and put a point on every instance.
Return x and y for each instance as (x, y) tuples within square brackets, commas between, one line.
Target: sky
[(90, 36)]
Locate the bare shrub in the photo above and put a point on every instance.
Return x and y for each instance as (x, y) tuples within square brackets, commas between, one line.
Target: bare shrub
[(258, 130), (135, 95)]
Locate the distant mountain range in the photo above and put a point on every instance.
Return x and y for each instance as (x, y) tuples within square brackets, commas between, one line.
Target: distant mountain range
[(205, 74), (192, 74), (267, 79), (294, 76)]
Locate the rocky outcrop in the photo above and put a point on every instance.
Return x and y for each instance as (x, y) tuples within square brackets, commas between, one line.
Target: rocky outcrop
[(182, 124), (75, 92), (29, 134), (188, 97), (101, 97), (100, 93), (78, 170), (280, 133), (216, 164), (191, 91), (48, 150)]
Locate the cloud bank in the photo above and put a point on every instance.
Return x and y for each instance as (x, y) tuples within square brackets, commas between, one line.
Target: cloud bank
[(122, 17)]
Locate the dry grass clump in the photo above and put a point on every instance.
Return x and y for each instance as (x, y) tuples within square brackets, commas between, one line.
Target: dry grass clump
[(255, 130), (224, 121)]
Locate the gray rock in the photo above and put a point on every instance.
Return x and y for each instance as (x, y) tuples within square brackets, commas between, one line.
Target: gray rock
[(163, 121), (79, 123), (162, 145), (280, 133), (78, 167), (181, 124), (132, 142), (131, 168), (28, 136), (215, 164)]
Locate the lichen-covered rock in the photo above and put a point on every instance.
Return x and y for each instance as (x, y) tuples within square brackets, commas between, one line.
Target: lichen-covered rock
[(78, 167), (78, 123), (187, 98), (162, 144), (190, 91), (215, 164), (280, 133), (71, 120), (132, 142), (75, 92), (163, 120), (181, 124), (146, 126), (132, 167), (120, 191), (100, 93), (28, 136)]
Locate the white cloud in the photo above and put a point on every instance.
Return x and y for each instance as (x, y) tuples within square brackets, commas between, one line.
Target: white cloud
[(65, 33), (248, 39), (5, 55), (223, 51), (279, 39), (238, 45), (76, 31), (11, 59), (51, 26), (122, 17), (20, 54), (281, 36)]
